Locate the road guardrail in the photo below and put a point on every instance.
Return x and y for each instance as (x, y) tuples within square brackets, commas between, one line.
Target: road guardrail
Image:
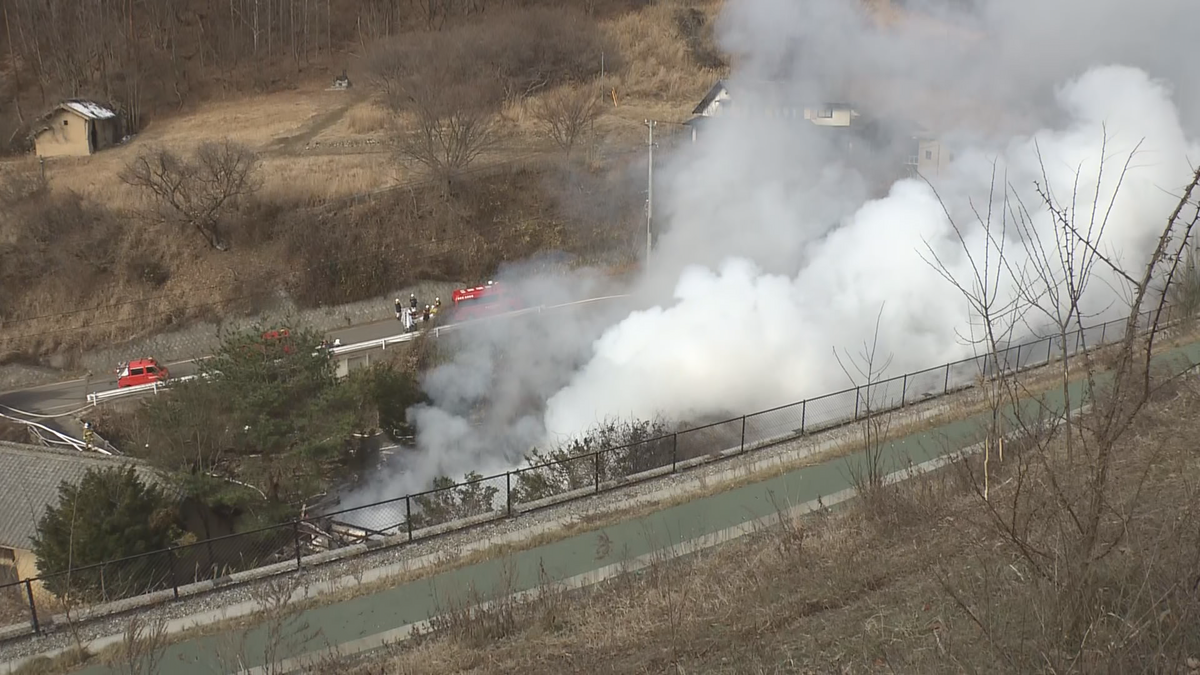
[(367, 345)]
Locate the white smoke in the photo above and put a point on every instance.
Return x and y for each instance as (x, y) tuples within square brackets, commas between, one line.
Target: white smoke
[(753, 322), (776, 250)]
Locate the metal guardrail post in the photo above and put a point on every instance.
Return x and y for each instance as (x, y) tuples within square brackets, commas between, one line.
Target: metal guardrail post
[(408, 515), (32, 607)]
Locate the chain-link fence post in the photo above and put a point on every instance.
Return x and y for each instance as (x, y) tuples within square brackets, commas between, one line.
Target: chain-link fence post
[(408, 515), (903, 390), (857, 400), (596, 468), (508, 492), (32, 607), (1103, 331), (803, 414), (296, 540), (1049, 348), (946, 387), (170, 553), (743, 446), (674, 451), (1017, 367)]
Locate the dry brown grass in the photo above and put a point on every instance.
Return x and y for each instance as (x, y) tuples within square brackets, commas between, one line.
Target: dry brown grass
[(658, 66), (869, 588), (312, 149), (367, 118)]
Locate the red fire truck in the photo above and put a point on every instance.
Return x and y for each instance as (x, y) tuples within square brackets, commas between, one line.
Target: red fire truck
[(480, 301)]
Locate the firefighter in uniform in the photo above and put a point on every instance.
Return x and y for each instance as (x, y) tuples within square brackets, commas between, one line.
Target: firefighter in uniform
[(425, 316)]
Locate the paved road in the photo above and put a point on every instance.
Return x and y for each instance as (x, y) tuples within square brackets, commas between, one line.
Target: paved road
[(412, 602), (64, 397)]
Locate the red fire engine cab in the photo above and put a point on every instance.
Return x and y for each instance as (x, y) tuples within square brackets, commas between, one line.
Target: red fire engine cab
[(480, 301)]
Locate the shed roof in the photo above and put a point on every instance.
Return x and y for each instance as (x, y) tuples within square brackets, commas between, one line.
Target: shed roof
[(29, 479), (89, 109)]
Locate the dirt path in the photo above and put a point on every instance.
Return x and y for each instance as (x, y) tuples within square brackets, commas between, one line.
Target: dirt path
[(289, 145)]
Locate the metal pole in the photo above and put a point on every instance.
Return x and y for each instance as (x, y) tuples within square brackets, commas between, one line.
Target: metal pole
[(32, 607), (1049, 346), (803, 414), (946, 388), (857, 399), (508, 490), (596, 469), (674, 451), (408, 515), (296, 538), (743, 433), (649, 189), (903, 389), (1103, 331), (170, 553), (1017, 368)]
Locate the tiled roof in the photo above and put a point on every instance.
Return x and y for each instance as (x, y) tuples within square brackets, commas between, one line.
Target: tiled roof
[(29, 480)]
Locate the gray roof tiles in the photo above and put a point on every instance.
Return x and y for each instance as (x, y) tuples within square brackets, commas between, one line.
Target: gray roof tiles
[(29, 480)]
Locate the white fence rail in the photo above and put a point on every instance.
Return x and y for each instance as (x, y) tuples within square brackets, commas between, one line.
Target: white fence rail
[(154, 387), (367, 345)]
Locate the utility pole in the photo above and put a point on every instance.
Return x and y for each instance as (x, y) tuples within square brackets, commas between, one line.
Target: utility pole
[(649, 189)]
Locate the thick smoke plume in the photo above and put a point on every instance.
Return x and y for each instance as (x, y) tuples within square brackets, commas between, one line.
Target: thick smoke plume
[(777, 249), (777, 253)]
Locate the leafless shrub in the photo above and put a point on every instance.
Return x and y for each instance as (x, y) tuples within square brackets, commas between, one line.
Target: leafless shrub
[(697, 32), (200, 192), (568, 113), (281, 619), (142, 646), (21, 184), (865, 371), (475, 620)]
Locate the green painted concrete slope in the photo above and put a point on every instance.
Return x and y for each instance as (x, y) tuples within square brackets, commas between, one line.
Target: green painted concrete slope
[(416, 601)]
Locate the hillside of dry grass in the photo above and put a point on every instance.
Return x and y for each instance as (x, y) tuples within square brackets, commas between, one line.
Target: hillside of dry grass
[(923, 577), (86, 260)]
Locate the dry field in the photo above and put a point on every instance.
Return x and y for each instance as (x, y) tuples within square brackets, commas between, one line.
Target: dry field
[(919, 578)]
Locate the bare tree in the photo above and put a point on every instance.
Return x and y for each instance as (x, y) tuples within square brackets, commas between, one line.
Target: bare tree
[(1059, 511), (567, 114), (996, 313), (449, 132), (865, 371), (200, 192)]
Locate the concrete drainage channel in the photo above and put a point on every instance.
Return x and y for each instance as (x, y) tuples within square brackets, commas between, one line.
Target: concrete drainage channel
[(344, 569), (335, 571)]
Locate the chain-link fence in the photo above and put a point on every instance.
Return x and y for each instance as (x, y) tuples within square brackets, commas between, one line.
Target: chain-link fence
[(172, 573)]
